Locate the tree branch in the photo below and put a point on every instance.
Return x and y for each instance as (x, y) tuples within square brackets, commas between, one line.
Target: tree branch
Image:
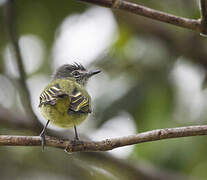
[(12, 34), (134, 8), (203, 9), (107, 144), (11, 120)]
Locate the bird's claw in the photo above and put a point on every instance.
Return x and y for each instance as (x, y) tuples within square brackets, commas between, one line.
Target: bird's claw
[(76, 141), (42, 135), (70, 147)]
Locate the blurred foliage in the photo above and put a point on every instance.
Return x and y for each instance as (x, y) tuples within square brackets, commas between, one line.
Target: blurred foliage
[(144, 53)]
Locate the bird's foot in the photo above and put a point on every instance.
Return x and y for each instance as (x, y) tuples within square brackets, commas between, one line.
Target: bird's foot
[(72, 144), (76, 141)]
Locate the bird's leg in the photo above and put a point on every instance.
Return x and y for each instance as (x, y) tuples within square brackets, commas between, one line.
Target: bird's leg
[(76, 138), (76, 141), (42, 135)]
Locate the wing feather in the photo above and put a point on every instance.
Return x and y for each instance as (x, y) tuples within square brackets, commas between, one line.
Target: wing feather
[(50, 95), (79, 102)]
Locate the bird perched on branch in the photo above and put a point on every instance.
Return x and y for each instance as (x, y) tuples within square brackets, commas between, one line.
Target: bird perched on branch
[(65, 101)]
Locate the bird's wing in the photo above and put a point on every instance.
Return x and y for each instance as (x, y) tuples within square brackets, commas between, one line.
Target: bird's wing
[(79, 102), (50, 95)]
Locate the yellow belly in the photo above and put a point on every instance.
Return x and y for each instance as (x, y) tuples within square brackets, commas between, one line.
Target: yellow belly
[(58, 114)]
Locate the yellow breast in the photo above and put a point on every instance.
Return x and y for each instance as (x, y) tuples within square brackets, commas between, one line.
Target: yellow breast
[(58, 114)]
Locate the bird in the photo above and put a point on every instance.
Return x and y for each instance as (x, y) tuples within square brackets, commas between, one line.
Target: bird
[(65, 101)]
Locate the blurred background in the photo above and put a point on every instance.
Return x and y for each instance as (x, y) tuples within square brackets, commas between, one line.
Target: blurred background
[(153, 76)]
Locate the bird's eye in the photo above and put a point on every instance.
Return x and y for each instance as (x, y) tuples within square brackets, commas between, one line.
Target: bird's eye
[(76, 73)]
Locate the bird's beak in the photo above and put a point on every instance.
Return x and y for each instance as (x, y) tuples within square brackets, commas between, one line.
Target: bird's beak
[(93, 72)]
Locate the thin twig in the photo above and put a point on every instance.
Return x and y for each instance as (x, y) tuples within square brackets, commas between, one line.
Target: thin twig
[(12, 33), (192, 24), (107, 144)]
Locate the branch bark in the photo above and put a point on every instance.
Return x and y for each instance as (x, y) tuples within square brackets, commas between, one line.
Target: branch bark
[(192, 24), (107, 144)]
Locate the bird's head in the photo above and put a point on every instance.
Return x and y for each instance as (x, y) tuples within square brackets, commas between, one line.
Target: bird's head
[(76, 71)]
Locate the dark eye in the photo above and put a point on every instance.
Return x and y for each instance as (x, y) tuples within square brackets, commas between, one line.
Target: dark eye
[(76, 73)]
